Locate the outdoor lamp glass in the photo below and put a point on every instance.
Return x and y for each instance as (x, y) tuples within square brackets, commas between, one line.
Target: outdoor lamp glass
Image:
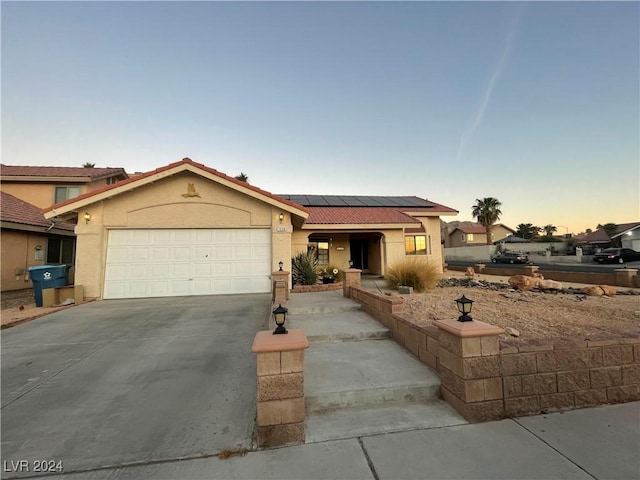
[(350, 263), (87, 217), (280, 264), (464, 307), (280, 316)]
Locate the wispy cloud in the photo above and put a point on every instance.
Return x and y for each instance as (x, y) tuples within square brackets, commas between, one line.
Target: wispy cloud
[(486, 98)]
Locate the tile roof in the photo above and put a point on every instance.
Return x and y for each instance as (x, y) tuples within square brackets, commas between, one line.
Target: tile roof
[(357, 215), (14, 210), (470, 229), (184, 161), (600, 236), (70, 172)]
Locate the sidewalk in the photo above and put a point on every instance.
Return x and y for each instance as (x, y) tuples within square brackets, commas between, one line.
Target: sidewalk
[(600, 443)]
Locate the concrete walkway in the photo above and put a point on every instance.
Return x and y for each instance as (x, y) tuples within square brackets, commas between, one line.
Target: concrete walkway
[(357, 380), (595, 443)]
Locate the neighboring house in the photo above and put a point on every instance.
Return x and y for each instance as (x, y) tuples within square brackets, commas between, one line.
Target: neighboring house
[(628, 233), (469, 235), (44, 186), (41, 187), (187, 229), (27, 239)]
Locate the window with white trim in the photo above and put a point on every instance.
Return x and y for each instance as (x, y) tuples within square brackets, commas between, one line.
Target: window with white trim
[(60, 194), (415, 245)]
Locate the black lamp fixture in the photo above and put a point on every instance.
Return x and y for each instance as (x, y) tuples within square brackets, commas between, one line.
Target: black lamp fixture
[(280, 316), (350, 263), (87, 217), (280, 265), (464, 307), (281, 217)]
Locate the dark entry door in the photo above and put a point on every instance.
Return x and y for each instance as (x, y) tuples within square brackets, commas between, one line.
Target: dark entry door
[(360, 253)]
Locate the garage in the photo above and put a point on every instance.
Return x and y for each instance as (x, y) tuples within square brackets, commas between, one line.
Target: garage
[(181, 262)]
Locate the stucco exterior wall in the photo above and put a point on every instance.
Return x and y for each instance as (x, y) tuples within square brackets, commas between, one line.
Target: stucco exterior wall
[(18, 250), (162, 205)]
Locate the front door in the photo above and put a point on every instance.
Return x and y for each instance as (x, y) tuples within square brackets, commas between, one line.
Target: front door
[(360, 253)]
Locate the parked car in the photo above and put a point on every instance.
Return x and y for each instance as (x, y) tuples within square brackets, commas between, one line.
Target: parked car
[(616, 255), (510, 257)]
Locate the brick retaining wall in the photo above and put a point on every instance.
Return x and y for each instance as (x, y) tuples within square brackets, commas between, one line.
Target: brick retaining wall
[(324, 287), (518, 381)]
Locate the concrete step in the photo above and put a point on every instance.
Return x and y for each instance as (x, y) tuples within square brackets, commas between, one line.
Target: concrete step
[(366, 373), (389, 418), (320, 302), (338, 327)]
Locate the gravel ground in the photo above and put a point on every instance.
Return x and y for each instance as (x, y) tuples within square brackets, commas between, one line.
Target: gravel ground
[(540, 318)]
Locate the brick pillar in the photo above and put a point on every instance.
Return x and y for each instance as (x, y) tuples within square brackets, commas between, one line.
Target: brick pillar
[(351, 279), (624, 276), (280, 292), (469, 367), (531, 269), (480, 267), (280, 399)]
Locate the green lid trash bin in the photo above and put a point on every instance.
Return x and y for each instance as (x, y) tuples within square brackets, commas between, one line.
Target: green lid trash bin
[(47, 276)]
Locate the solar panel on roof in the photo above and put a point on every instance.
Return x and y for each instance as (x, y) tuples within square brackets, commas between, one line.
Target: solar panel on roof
[(356, 201)]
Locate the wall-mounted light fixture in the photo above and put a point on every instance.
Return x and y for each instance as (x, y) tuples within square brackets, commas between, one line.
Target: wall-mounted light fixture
[(280, 264), (87, 217), (281, 217)]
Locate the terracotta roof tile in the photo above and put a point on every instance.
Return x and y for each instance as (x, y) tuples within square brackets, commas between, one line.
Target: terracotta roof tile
[(71, 172), (600, 236), (14, 210), (362, 215), (169, 167), (471, 229)]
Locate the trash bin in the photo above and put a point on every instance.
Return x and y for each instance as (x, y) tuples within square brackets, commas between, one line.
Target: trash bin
[(47, 276)]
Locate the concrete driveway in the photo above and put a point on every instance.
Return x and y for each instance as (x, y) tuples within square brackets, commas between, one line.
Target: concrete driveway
[(127, 381)]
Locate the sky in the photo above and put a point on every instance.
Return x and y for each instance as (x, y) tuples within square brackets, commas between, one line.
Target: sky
[(535, 104)]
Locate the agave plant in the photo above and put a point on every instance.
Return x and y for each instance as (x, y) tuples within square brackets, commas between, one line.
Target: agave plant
[(303, 268)]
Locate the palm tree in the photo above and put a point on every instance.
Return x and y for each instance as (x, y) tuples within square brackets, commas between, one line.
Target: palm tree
[(527, 230), (89, 165), (549, 230), (611, 229), (243, 177), (487, 211)]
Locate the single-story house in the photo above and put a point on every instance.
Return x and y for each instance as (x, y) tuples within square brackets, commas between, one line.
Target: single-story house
[(188, 229), (476, 234), (27, 239), (627, 233)]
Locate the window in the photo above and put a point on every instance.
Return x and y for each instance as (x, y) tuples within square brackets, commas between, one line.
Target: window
[(111, 180), (322, 251), (469, 237), (65, 193), (61, 250), (415, 245)]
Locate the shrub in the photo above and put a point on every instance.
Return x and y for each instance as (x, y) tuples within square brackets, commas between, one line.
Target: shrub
[(416, 272), (303, 268)]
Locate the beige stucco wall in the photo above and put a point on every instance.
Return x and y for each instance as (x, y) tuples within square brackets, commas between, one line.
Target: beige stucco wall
[(162, 205), (42, 194), (18, 250)]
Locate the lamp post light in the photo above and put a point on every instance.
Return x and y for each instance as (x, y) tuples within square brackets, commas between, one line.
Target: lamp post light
[(464, 307), (280, 316), (350, 263), (280, 265)]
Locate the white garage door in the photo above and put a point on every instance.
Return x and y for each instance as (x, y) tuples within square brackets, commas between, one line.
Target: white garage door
[(167, 263)]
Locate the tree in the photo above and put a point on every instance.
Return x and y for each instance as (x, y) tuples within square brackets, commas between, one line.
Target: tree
[(549, 230), (527, 230), (487, 211), (611, 229), (89, 165), (243, 177)]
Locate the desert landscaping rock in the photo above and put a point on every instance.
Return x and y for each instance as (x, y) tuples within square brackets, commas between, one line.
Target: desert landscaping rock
[(540, 318)]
